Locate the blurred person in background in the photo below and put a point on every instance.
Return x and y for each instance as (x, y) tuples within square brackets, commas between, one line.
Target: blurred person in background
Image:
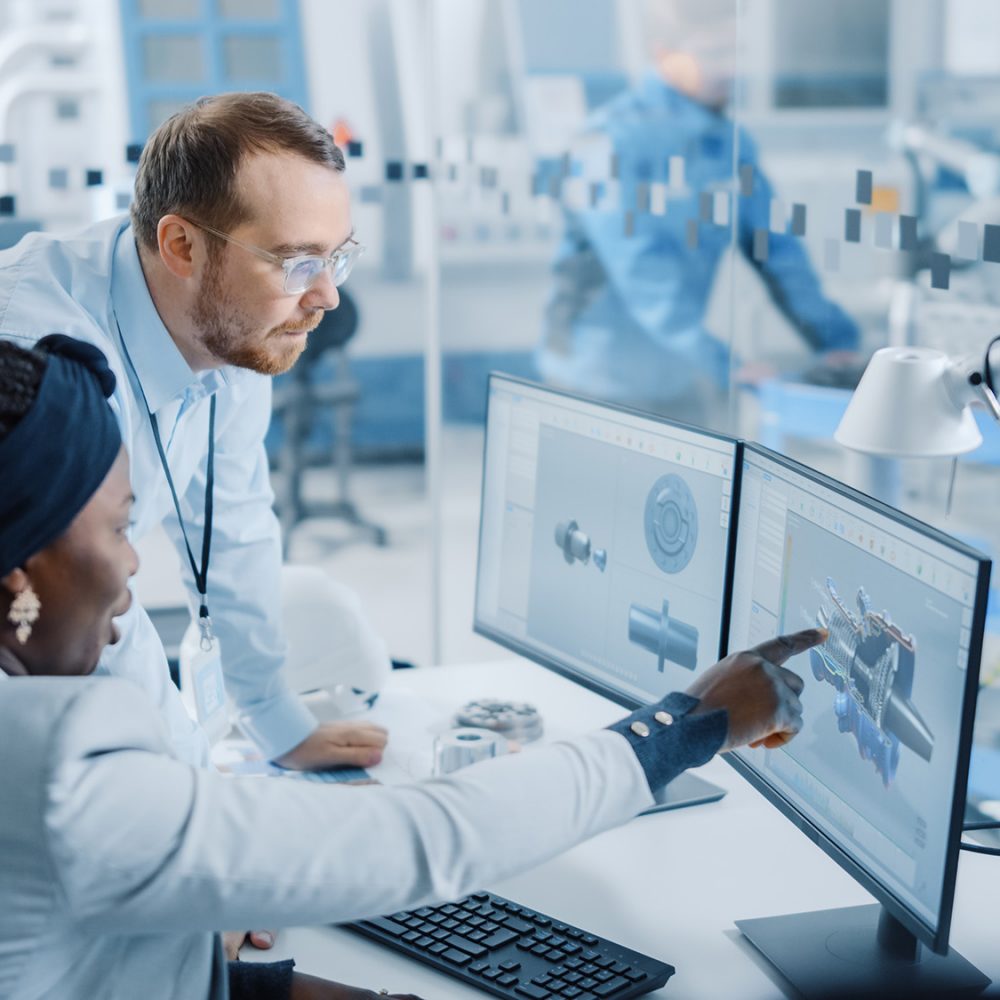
[(625, 319)]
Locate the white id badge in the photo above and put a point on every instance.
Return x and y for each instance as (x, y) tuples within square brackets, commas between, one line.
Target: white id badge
[(209, 690)]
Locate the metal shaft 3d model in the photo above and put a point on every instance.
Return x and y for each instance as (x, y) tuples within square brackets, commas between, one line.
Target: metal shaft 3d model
[(870, 662), (576, 545), (667, 637)]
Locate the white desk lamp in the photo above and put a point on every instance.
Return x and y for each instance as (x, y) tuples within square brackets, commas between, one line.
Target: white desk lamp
[(915, 402)]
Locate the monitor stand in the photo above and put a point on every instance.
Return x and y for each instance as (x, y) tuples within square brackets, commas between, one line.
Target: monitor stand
[(858, 951), (685, 790)]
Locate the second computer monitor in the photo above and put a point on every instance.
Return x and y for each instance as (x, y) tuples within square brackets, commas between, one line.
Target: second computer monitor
[(603, 541), (877, 775)]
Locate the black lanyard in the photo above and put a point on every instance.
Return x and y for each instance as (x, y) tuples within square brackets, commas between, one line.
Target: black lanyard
[(200, 575)]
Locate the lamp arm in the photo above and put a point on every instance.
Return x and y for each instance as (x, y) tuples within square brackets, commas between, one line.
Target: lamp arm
[(967, 385)]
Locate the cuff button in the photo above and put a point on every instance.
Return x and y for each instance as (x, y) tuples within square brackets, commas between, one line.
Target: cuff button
[(664, 718), (639, 728)]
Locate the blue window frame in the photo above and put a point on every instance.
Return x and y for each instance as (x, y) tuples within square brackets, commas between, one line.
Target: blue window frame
[(179, 50)]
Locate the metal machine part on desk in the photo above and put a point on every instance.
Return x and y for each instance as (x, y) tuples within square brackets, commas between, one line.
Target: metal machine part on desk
[(515, 952)]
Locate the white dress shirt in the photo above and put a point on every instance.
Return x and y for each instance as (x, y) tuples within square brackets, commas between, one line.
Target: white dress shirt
[(119, 862), (91, 286)]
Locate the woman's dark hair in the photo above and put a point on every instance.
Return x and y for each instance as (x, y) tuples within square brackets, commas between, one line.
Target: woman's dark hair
[(190, 164), (21, 371)]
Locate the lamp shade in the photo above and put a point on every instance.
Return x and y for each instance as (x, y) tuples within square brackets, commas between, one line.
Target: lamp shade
[(905, 406)]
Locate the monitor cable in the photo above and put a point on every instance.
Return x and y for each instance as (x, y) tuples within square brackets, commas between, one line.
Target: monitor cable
[(979, 848)]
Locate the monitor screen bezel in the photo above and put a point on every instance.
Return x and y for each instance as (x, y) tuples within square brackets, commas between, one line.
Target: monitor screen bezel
[(550, 661), (936, 939)]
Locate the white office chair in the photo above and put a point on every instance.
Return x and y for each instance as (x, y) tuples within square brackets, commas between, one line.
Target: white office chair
[(336, 659)]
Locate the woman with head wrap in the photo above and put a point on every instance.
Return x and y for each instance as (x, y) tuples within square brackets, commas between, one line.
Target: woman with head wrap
[(65, 558), (118, 864)]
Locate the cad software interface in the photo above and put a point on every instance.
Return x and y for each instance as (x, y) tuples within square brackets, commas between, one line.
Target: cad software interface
[(603, 539), (874, 765)]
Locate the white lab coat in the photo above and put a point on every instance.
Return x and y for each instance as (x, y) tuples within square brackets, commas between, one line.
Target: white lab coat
[(118, 861)]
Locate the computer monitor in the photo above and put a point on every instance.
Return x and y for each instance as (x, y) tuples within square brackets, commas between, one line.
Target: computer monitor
[(877, 775), (603, 542)]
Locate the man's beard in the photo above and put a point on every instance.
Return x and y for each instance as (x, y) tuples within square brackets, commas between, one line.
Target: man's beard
[(229, 336)]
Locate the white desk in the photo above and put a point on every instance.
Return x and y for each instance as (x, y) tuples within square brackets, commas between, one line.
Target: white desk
[(669, 885)]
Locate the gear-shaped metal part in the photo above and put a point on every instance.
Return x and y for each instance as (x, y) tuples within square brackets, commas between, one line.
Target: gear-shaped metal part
[(671, 523)]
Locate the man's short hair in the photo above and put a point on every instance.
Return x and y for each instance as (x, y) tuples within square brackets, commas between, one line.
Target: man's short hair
[(191, 163)]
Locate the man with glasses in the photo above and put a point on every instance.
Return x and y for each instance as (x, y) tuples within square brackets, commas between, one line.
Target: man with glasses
[(240, 233)]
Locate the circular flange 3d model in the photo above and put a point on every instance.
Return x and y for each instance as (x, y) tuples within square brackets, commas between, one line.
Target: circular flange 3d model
[(671, 523)]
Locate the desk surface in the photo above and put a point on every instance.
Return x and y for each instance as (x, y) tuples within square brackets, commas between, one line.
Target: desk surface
[(670, 884)]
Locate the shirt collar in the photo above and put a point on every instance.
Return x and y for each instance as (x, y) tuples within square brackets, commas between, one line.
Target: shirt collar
[(158, 366)]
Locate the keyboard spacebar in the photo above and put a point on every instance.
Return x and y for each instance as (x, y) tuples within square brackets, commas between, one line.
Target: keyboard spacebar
[(387, 925)]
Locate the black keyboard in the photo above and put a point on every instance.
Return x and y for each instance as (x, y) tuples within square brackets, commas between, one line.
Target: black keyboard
[(511, 951)]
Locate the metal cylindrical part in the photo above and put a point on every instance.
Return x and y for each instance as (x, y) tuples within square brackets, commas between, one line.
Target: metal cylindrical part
[(461, 747)]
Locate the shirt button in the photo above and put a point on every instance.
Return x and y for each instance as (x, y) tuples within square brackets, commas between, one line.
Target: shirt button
[(639, 728), (664, 718)]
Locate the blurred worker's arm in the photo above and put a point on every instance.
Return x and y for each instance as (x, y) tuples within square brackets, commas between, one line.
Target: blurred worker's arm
[(786, 270)]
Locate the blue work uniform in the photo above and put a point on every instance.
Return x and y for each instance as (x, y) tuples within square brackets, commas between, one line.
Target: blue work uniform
[(625, 319)]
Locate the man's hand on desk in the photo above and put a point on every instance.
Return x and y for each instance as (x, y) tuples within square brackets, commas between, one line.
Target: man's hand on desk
[(338, 744), (760, 696)]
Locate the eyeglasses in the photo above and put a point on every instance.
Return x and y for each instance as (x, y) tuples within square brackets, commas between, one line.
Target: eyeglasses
[(301, 273)]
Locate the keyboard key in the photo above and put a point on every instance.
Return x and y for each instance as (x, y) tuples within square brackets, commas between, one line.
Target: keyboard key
[(517, 926), (437, 948), (402, 917), (510, 966), (542, 980), (588, 983), (589, 939), (573, 932), (635, 975), (612, 986), (437, 918), (507, 979), (570, 992), (475, 921), (492, 974), (412, 935), (449, 908), (542, 935), (424, 911), (440, 934), (557, 971), (560, 928), (570, 947), (541, 921), (587, 968), (619, 967), (477, 936), (481, 896), (572, 963), (456, 956), (473, 949), (531, 990), (590, 956), (539, 949), (424, 941), (572, 977), (499, 939), (479, 966), (489, 926), (553, 956), (603, 976), (387, 925), (604, 961)]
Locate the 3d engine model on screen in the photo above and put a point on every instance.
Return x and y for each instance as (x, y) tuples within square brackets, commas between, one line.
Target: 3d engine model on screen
[(667, 637), (870, 662), (576, 546)]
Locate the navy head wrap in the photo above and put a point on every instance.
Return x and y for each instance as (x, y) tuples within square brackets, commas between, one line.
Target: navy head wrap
[(58, 454)]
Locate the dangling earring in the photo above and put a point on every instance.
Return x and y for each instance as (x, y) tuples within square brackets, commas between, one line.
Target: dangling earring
[(24, 611)]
